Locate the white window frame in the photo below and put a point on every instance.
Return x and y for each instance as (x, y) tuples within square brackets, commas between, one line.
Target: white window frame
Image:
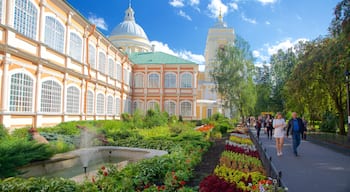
[(186, 83), (30, 29), (111, 68), (170, 80), (110, 105), (117, 106), (119, 71), (168, 108), (73, 103), (52, 94), (139, 80), (153, 83), (138, 105), (185, 112), (92, 56), (53, 41), (90, 102), (152, 104), (100, 105), (75, 48)]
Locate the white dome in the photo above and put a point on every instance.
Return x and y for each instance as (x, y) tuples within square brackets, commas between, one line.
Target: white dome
[(129, 27)]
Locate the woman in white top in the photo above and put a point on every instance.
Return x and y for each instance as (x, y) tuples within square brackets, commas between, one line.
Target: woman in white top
[(279, 124)]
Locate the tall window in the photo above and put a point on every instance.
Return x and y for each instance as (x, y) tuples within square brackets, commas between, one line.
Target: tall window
[(50, 97), (119, 71), (126, 76), (111, 69), (152, 105), (0, 10), (186, 108), (100, 104), (110, 105), (21, 93), (186, 80), (170, 80), (138, 105), (153, 80), (170, 107), (102, 62), (54, 34), (90, 102), (117, 106), (92, 56), (25, 18), (138, 80), (73, 100), (75, 46)]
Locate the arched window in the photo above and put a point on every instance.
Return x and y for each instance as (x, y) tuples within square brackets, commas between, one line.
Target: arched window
[(110, 105), (170, 80), (138, 105), (25, 18), (153, 80), (138, 80), (54, 34), (111, 69), (50, 97), (92, 56), (119, 72), (73, 100), (170, 107), (186, 108), (100, 104), (90, 102), (21, 93), (102, 62), (117, 106), (126, 77), (152, 105), (75, 46), (186, 80)]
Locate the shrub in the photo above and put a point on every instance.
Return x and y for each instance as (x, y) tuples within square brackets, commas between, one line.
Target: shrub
[(329, 122), (155, 118), (22, 133), (3, 132)]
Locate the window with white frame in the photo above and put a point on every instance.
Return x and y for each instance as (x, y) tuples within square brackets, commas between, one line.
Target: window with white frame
[(119, 72), (110, 105), (100, 104), (92, 56), (129, 105), (0, 10), (117, 106), (130, 77), (125, 106), (170, 80), (102, 62), (90, 102), (111, 69), (54, 34), (186, 108), (50, 97), (21, 93), (25, 18), (126, 77), (186, 80), (75, 48), (138, 80), (138, 105), (73, 100), (153, 80), (152, 105), (170, 107)]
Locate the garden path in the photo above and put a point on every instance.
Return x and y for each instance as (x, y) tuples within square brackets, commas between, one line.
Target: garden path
[(315, 169)]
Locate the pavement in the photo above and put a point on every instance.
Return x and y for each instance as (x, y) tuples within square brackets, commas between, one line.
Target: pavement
[(315, 169)]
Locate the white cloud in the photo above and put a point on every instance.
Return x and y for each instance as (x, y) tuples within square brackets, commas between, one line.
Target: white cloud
[(249, 20), (265, 2), (267, 23), (98, 21), (194, 2), (284, 45), (215, 6), (177, 3), (185, 54), (257, 54), (184, 15), (233, 5)]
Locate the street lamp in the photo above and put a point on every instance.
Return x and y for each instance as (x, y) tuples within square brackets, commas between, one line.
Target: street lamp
[(347, 74)]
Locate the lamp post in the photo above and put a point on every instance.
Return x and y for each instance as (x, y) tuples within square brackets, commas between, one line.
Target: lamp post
[(347, 74)]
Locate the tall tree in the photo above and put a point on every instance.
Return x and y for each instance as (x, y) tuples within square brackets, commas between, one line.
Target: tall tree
[(263, 88), (233, 75)]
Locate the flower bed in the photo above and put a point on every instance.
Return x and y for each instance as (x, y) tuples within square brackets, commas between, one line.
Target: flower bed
[(239, 170), (205, 128)]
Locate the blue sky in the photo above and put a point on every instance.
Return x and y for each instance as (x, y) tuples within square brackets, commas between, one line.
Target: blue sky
[(180, 27)]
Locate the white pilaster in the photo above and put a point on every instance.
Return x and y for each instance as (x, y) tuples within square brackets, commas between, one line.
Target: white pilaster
[(5, 83)]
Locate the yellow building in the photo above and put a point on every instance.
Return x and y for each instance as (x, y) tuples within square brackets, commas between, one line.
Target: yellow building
[(55, 67), (208, 100)]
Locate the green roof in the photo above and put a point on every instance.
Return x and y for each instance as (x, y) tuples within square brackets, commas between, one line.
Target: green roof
[(157, 58)]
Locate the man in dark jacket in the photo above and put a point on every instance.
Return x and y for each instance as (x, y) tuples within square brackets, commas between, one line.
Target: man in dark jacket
[(297, 128)]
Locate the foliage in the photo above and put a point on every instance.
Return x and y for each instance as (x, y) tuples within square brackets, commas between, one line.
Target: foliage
[(3, 132), (154, 117), (233, 75), (18, 152), (65, 128), (329, 122)]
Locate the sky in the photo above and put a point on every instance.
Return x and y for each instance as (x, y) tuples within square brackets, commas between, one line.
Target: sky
[(180, 27)]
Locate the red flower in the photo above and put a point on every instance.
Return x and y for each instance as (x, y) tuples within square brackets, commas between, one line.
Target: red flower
[(93, 179), (105, 173), (182, 183), (103, 167)]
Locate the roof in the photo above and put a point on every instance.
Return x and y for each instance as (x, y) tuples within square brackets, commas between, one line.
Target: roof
[(157, 58)]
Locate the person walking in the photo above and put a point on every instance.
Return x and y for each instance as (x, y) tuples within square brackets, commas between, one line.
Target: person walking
[(279, 124), (258, 127), (269, 126), (296, 127), (305, 128)]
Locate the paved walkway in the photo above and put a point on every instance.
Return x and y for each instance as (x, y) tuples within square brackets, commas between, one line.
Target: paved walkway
[(315, 169)]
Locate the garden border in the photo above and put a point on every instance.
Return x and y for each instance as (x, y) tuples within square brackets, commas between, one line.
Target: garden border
[(270, 168)]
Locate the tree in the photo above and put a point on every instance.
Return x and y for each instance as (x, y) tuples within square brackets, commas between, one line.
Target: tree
[(233, 76), (263, 88)]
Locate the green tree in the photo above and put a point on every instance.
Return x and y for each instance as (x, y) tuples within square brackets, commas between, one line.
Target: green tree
[(263, 88), (233, 76)]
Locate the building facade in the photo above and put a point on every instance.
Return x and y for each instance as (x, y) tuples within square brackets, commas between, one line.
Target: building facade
[(55, 67)]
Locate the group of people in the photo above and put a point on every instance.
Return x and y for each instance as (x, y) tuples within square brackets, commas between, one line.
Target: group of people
[(278, 128)]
